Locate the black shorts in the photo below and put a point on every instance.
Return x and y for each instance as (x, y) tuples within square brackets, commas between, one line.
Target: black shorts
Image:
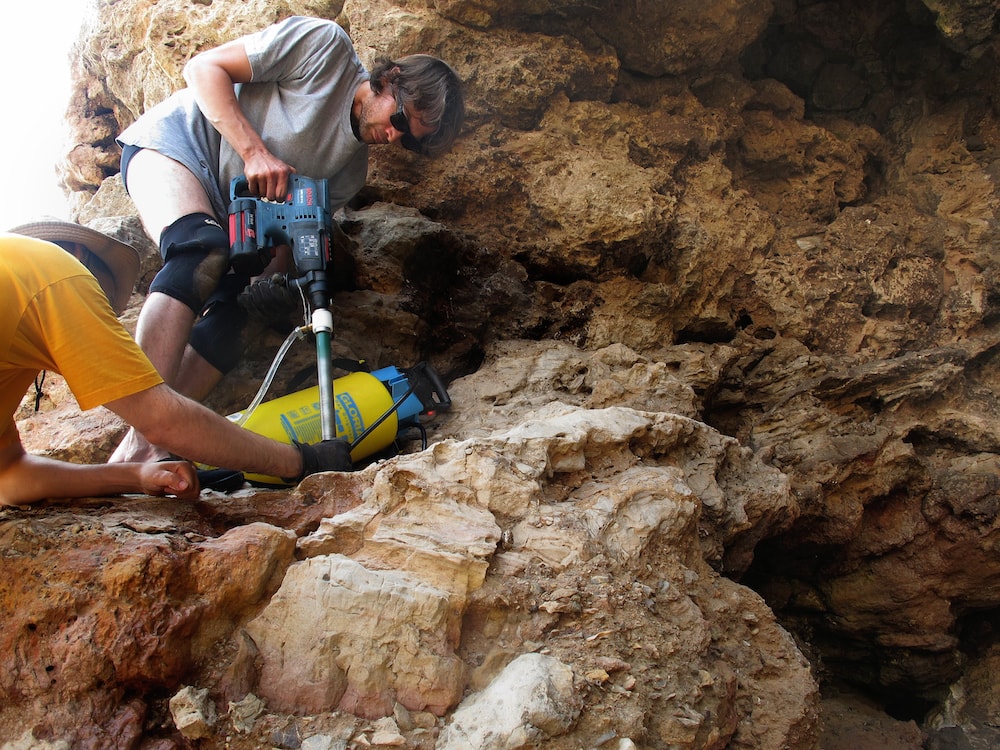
[(128, 151)]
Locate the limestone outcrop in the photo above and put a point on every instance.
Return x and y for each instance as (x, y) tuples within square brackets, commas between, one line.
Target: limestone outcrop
[(715, 290)]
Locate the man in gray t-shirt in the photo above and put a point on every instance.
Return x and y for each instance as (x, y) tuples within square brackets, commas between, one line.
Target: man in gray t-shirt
[(293, 97)]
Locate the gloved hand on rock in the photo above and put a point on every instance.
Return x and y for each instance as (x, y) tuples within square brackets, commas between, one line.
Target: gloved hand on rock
[(326, 455), (271, 299)]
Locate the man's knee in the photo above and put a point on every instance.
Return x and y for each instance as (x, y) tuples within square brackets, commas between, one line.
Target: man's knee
[(195, 251)]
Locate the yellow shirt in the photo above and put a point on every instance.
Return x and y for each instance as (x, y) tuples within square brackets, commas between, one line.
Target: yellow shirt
[(55, 316)]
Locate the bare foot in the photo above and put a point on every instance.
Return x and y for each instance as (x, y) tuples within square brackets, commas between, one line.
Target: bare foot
[(134, 447)]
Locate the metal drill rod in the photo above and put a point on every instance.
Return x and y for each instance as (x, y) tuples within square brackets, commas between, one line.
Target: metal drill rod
[(322, 325)]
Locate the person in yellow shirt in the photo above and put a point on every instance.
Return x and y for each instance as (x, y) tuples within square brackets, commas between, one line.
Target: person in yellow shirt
[(62, 285)]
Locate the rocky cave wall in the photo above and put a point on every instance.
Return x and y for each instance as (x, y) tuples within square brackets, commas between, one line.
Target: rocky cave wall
[(775, 219)]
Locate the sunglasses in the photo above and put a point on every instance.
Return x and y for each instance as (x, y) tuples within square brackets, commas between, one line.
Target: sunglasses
[(401, 122)]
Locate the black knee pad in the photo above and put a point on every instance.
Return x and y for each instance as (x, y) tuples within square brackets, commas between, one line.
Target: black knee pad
[(218, 332), (195, 251)]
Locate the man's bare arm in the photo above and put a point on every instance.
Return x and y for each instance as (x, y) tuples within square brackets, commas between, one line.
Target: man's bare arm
[(25, 478), (210, 75), (195, 432)]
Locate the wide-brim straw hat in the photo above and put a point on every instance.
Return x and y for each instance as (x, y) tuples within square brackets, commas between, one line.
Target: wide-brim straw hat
[(121, 259)]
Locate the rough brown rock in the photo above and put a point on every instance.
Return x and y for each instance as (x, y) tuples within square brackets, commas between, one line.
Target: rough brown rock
[(770, 224)]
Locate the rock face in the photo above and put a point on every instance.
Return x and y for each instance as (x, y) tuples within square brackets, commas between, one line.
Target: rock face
[(714, 288)]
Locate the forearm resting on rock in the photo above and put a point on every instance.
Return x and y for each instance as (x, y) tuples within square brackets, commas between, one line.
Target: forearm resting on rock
[(25, 478)]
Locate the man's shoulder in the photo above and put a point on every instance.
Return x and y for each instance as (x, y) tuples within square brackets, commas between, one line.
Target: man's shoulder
[(305, 24), (293, 32), (19, 253)]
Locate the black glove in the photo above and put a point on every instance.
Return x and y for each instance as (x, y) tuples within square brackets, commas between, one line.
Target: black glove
[(327, 455), (270, 300)]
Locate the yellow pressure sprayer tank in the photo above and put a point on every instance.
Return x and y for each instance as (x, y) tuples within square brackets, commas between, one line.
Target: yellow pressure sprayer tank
[(370, 410)]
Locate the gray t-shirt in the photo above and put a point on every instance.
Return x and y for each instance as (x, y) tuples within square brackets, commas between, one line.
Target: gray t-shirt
[(305, 73)]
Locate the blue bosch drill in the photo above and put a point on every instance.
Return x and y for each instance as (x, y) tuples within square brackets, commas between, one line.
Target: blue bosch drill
[(369, 408), (257, 227), (302, 221)]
